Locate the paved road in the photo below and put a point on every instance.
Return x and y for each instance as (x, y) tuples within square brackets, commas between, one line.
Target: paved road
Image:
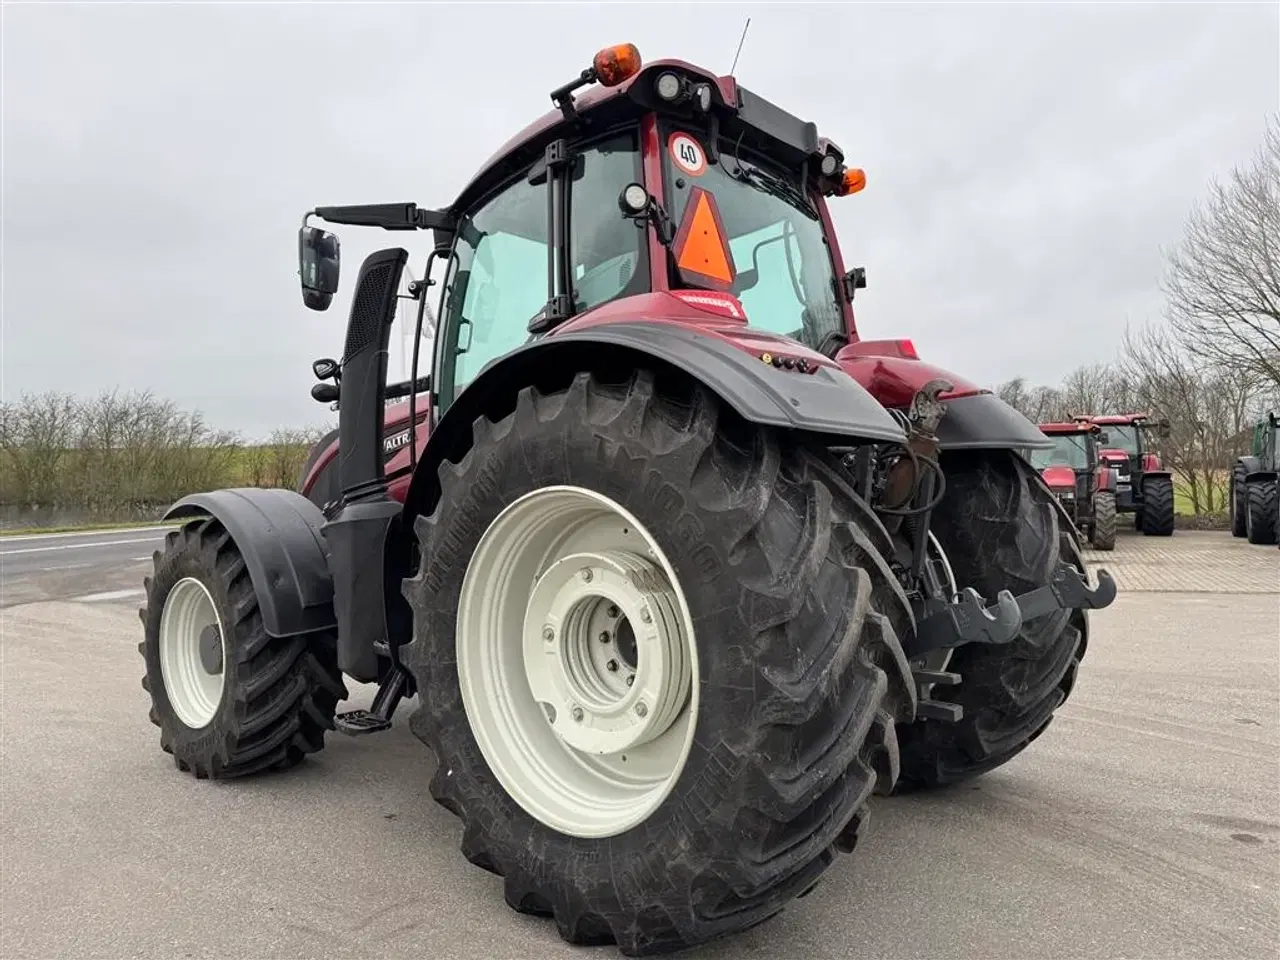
[(1143, 824), (98, 566)]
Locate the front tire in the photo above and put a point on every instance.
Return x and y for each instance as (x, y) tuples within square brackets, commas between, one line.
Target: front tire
[(797, 678), (1238, 501), (229, 699), (1157, 507), (1103, 534), (1000, 530), (1260, 520)]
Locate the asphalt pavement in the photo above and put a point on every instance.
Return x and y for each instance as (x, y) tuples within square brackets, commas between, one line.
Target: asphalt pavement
[(1145, 822), (100, 566)]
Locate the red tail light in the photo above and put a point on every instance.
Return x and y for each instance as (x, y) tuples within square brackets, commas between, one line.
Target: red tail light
[(713, 301)]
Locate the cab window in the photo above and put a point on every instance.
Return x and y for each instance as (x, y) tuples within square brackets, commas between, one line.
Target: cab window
[(498, 281)]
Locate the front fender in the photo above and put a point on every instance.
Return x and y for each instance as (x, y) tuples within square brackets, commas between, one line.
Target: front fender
[(976, 419), (983, 422), (278, 534)]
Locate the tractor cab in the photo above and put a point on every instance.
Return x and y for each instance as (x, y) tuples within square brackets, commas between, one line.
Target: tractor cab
[(1076, 475), (1143, 487), (551, 232)]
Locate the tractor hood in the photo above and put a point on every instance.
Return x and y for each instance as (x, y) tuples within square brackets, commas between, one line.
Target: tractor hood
[(1059, 477)]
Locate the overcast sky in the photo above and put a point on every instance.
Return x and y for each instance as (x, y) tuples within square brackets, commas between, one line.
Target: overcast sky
[(1026, 164)]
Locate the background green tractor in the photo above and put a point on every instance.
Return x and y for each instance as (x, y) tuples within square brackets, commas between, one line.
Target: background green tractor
[(1255, 506)]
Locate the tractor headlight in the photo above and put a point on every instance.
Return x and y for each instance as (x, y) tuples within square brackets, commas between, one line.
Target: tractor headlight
[(829, 165), (668, 86)]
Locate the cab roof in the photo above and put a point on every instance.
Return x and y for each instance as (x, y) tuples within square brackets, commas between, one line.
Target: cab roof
[(1077, 426), (1119, 419), (600, 106)]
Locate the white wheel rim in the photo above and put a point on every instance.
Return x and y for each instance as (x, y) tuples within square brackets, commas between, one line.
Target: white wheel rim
[(556, 589), (192, 660)]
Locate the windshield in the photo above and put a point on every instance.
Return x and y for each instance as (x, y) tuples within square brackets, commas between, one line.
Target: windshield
[(783, 269), (1069, 450), (1122, 438)]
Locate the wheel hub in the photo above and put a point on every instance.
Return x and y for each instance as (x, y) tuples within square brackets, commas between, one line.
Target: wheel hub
[(211, 649), (599, 696), (576, 661), (192, 653)]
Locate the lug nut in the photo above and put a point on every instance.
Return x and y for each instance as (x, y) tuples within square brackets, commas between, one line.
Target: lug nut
[(631, 679), (548, 633), (576, 713), (645, 615), (642, 709), (612, 666), (587, 575), (604, 637), (613, 612)]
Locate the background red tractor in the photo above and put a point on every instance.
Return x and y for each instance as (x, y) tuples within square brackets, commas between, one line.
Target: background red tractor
[(1084, 485), (1143, 487), (679, 569)]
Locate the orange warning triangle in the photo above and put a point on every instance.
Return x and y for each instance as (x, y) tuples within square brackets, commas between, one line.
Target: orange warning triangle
[(702, 246)]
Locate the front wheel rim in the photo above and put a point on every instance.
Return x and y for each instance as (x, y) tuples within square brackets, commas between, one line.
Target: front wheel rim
[(577, 661), (192, 653)]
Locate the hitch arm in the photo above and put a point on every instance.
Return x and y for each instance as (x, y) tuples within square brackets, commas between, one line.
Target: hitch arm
[(1066, 591), (967, 620)]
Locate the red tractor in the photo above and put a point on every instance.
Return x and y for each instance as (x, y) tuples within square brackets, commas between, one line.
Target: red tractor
[(679, 570), (1143, 487), (1084, 486)]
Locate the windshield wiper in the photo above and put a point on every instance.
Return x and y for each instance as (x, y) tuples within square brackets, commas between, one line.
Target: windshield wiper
[(776, 187)]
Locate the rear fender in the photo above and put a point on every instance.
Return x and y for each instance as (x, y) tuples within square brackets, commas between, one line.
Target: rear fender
[(976, 419), (1247, 465), (1260, 476), (278, 534), (1106, 480), (823, 402), (1148, 474)]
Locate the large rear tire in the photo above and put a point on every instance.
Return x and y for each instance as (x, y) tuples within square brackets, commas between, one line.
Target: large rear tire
[(1238, 500), (789, 618), (1103, 534), (229, 699), (1260, 520), (1000, 530), (1157, 507)]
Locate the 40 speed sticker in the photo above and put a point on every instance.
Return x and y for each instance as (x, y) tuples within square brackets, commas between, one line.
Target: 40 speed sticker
[(687, 154)]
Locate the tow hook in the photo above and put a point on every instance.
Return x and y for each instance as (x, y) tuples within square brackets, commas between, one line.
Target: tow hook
[(1068, 590), (968, 620)]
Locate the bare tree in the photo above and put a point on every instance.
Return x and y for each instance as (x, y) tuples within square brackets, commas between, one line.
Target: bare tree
[(1223, 281), (1207, 405)]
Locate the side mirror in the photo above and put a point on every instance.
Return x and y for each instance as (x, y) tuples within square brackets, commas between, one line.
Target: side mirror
[(325, 368), (318, 259), (1163, 429), (1104, 438)]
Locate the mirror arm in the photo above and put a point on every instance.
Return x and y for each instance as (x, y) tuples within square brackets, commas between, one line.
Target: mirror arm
[(388, 216)]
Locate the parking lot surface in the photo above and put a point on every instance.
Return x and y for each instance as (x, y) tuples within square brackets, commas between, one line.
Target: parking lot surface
[(1143, 824)]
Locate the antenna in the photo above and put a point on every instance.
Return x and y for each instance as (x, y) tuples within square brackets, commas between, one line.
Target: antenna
[(741, 41)]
